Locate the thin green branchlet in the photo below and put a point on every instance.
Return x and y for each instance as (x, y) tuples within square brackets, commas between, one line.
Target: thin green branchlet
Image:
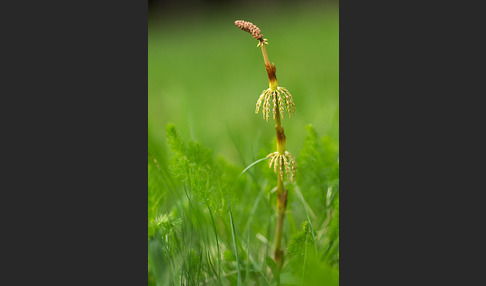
[(281, 160)]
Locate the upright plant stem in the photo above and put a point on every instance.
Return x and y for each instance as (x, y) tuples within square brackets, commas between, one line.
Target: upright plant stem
[(280, 159), (281, 140), (265, 56), (281, 198)]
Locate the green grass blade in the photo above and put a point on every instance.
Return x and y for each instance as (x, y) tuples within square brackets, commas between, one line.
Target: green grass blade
[(251, 165), (233, 232), (235, 142), (305, 260), (308, 218), (248, 255), (217, 245), (256, 203)]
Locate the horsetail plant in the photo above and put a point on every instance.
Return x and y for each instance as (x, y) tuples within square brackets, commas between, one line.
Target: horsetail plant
[(281, 159)]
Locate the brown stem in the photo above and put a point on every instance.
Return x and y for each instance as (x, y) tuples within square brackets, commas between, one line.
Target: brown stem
[(281, 206), (281, 195), (264, 52), (281, 140)]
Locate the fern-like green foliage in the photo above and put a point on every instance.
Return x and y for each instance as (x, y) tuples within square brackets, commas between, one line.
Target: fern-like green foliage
[(300, 243), (319, 168), (194, 239), (165, 223), (318, 164), (193, 165), (332, 254), (155, 195), (305, 265)]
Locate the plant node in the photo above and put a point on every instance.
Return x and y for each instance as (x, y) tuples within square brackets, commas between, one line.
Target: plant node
[(283, 161), (280, 97)]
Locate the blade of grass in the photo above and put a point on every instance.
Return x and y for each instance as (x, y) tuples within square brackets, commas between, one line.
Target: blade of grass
[(165, 174), (257, 201), (252, 261), (260, 271), (308, 218), (297, 190), (210, 263), (305, 260), (248, 255), (251, 165), (217, 245), (172, 270), (233, 232), (199, 266), (233, 139)]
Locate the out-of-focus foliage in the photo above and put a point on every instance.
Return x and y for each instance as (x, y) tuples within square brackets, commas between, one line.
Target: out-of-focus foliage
[(195, 237), (319, 161), (299, 242), (194, 166)]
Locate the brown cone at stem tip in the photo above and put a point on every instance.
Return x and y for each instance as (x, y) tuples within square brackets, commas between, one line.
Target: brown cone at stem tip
[(250, 28)]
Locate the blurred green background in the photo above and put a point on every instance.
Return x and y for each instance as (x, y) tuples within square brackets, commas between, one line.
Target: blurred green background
[(205, 75)]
